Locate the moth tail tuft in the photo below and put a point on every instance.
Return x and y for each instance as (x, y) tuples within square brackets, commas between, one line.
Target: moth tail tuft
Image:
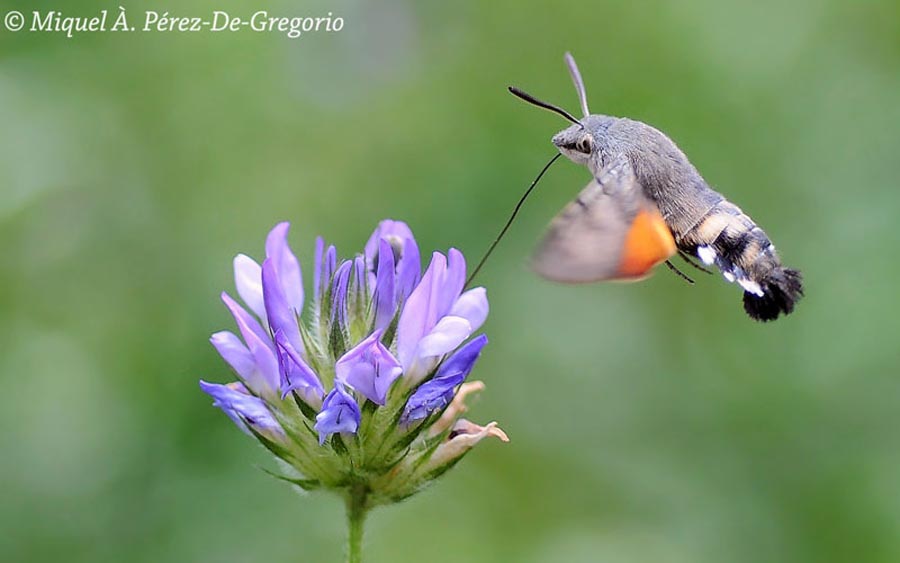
[(781, 290)]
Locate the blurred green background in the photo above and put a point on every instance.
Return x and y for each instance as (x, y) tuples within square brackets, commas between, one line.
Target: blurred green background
[(649, 422)]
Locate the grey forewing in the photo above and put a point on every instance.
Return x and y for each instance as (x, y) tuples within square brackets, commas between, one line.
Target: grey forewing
[(585, 240)]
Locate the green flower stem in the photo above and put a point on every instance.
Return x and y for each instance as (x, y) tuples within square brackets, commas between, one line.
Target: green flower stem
[(357, 508)]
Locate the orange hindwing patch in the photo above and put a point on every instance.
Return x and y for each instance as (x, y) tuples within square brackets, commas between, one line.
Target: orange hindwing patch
[(648, 243)]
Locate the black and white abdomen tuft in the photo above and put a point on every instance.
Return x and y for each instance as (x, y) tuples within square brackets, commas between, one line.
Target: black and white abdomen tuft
[(727, 238)]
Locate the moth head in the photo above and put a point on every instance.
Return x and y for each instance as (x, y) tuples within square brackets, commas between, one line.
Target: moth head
[(578, 141), (575, 143)]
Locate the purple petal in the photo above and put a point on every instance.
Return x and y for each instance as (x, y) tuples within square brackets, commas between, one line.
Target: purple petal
[(235, 353), (339, 413), (282, 317), (385, 303), (369, 368), (330, 264), (431, 396), (295, 373), (463, 360), (419, 314), (260, 346), (325, 267), (405, 253), (287, 268), (360, 279), (387, 229), (246, 323), (242, 407), (472, 306), (453, 282), (429, 302), (437, 393), (446, 335), (248, 282), (339, 293), (409, 269)]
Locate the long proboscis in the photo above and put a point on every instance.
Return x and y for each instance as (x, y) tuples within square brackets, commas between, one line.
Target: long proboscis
[(512, 217), (522, 94)]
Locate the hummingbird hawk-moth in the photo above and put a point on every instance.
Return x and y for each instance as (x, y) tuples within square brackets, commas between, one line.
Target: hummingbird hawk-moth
[(645, 203)]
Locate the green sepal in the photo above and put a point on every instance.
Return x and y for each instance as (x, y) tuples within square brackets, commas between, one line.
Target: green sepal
[(437, 472), (387, 338), (338, 445), (404, 442), (289, 422), (325, 303), (313, 356), (337, 341), (307, 410), (431, 444), (392, 464), (312, 431), (305, 484), (411, 435), (276, 450), (438, 439), (405, 495), (368, 407)]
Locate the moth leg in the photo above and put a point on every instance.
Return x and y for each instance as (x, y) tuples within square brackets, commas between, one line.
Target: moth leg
[(681, 274), (687, 258)]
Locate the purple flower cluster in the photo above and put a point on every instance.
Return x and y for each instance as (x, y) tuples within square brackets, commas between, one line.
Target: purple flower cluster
[(373, 370)]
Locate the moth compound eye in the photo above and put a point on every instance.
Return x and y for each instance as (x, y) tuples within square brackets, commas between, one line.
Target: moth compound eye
[(584, 145)]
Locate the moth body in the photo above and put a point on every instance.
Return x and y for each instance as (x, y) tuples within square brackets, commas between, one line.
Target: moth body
[(653, 176)]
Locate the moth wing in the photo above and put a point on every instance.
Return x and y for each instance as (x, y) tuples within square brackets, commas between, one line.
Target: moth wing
[(610, 232)]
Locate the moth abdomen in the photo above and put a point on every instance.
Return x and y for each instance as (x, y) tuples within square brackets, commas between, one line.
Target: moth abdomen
[(782, 288), (742, 251)]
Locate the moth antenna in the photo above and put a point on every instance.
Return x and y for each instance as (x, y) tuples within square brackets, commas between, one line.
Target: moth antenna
[(579, 83), (534, 101), (681, 274), (511, 219), (687, 258)]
